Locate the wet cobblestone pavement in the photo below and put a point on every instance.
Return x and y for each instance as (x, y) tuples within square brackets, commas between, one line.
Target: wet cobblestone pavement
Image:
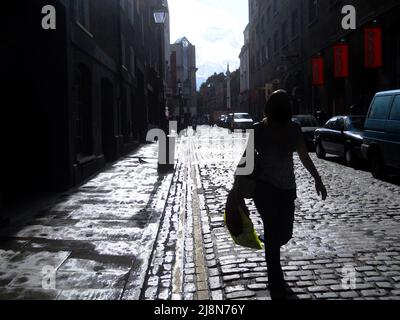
[(131, 234), (358, 226), (98, 239)]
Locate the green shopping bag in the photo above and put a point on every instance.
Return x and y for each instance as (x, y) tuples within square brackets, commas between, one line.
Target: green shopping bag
[(237, 219)]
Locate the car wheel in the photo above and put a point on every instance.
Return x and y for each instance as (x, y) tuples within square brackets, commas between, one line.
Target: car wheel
[(321, 154), (350, 158), (377, 165)]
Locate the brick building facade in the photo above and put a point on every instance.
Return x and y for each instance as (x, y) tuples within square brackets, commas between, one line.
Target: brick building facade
[(285, 35), (80, 95)]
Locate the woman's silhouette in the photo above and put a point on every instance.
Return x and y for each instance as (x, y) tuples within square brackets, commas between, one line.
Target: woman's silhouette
[(276, 139)]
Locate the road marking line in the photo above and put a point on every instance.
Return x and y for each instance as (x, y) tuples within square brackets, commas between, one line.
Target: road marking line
[(203, 292)]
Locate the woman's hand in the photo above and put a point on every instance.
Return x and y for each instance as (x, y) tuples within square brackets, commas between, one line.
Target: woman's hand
[(309, 165), (321, 190)]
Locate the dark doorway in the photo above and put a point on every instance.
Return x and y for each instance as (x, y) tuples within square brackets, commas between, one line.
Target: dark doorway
[(83, 119), (124, 115), (134, 118), (107, 119), (141, 108)]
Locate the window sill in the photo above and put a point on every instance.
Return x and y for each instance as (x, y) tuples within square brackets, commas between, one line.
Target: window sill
[(83, 159), (84, 29)]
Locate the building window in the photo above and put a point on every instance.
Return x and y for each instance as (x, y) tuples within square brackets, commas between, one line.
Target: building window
[(82, 13), (295, 23), (264, 55), (123, 51), (284, 34), (123, 4), (276, 42), (132, 61), (83, 115), (313, 10), (263, 24), (131, 10), (142, 27)]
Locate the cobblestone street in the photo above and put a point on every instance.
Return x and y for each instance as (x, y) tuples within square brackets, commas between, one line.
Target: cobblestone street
[(357, 226), (131, 234), (128, 128)]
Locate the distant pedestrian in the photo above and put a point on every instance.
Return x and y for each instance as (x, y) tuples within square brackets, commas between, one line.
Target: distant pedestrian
[(194, 124), (276, 139)]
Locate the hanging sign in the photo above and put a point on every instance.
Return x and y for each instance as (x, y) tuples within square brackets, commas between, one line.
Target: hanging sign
[(317, 71), (373, 47), (341, 60)]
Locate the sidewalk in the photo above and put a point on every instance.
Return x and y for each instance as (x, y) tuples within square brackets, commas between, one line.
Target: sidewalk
[(91, 243)]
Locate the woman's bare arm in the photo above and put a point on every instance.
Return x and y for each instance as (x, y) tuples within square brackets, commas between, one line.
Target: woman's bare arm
[(309, 165)]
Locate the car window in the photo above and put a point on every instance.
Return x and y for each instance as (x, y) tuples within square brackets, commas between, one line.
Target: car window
[(242, 116), (380, 108), (395, 113), (331, 124), (355, 123), (297, 121), (339, 124), (306, 121)]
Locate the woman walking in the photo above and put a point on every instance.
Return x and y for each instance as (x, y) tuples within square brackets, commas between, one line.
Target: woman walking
[(276, 139)]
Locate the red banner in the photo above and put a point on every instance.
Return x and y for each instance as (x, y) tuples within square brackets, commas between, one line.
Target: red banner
[(341, 60), (317, 71), (373, 47)]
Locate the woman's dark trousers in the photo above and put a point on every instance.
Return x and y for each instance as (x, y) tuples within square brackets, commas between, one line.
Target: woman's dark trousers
[(276, 208)]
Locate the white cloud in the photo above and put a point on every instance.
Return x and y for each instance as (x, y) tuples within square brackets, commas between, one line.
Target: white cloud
[(215, 27)]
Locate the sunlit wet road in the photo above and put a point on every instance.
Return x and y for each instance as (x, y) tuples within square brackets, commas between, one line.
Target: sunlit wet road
[(357, 226), (131, 234)]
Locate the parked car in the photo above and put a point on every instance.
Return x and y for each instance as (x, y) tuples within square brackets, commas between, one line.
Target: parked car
[(308, 125), (381, 146), (342, 136), (240, 121), (222, 121)]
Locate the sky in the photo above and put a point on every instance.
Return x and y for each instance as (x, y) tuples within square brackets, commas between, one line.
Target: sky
[(215, 27)]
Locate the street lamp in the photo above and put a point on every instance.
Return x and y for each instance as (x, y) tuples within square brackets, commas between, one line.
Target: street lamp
[(160, 14)]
